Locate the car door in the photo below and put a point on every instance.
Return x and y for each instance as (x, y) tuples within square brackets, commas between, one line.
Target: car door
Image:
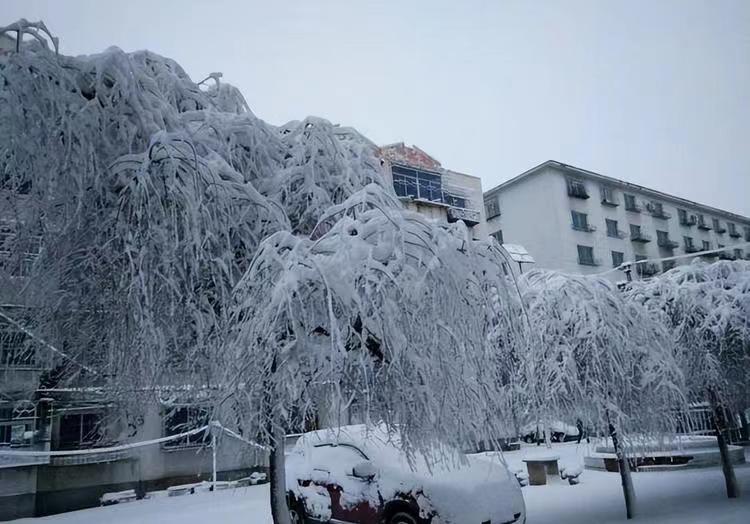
[(353, 500)]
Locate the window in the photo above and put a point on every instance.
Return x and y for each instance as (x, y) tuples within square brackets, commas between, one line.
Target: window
[(706, 246), (580, 221), (586, 255), (689, 247), (702, 224), (417, 184), (635, 231), (662, 237), (630, 203), (657, 210), (732, 229), (498, 235), (340, 459), (747, 233), (608, 197), (612, 228), (16, 349), (181, 419), (617, 258), (492, 207), (80, 430), (717, 226), (576, 188), (738, 254)]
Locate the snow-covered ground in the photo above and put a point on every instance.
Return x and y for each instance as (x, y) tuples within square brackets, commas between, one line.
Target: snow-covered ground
[(684, 497)]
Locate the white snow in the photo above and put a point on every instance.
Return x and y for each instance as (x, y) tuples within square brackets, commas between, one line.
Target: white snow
[(673, 497)]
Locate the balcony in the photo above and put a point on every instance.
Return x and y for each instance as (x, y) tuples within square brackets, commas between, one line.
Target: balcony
[(640, 237), (734, 233), (616, 234), (702, 224), (609, 200), (586, 228), (719, 228), (470, 217), (658, 212), (667, 243), (708, 255), (577, 190), (589, 261), (647, 269), (691, 249), (726, 255), (633, 207), (688, 221)]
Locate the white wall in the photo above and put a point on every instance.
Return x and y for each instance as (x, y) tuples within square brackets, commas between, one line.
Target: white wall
[(536, 213)]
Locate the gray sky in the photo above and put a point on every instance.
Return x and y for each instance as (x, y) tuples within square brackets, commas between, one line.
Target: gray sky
[(656, 92)]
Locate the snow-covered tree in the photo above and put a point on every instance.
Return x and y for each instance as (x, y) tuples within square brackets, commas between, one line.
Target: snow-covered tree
[(595, 356), (186, 242), (707, 309), (384, 311)]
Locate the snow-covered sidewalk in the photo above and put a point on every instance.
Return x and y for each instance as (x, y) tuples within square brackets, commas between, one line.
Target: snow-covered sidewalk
[(686, 497)]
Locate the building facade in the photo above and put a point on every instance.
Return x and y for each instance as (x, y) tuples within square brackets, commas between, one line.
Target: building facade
[(440, 194), (581, 222)]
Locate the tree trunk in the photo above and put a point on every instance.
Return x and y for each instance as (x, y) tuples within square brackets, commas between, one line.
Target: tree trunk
[(277, 478), (733, 490), (625, 477)]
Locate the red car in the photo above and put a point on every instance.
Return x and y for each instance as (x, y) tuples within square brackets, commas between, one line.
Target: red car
[(361, 476)]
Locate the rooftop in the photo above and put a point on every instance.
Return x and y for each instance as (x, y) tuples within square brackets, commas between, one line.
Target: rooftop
[(577, 171)]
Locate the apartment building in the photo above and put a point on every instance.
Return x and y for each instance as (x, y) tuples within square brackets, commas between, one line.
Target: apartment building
[(578, 221), (426, 187)]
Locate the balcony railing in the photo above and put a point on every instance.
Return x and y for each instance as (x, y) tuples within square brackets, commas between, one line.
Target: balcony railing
[(719, 228), (633, 208), (609, 201), (640, 237), (470, 217), (588, 228), (616, 234), (647, 269), (691, 249), (688, 220), (658, 212), (667, 243), (702, 224), (734, 233), (577, 191), (589, 261)]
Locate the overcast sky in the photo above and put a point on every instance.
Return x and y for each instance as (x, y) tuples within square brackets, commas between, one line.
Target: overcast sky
[(656, 92)]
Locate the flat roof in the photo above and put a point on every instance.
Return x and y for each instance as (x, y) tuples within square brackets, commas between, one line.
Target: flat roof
[(617, 182)]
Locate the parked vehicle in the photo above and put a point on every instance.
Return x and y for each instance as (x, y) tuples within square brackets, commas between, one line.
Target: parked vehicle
[(361, 476), (559, 432)]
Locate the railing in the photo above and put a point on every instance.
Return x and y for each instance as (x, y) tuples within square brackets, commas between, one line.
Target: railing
[(640, 237), (470, 216), (609, 201), (633, 208), (719, 228), (577, 190), (667, 243), (589, 261), (616, 234), (647, 269), (660, 213), (688, 221), (734, 233), (691, 249), (703, 225), (95, 458), (588, 228)]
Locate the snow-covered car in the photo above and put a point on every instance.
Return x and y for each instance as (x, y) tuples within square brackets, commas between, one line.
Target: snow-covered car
[(361, 475), (559, 431)]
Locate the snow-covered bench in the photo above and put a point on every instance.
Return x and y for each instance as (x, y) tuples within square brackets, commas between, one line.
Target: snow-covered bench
[(117, 497)]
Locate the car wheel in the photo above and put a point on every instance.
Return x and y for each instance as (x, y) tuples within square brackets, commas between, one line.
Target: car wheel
[(402, 518), (297, 515)]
